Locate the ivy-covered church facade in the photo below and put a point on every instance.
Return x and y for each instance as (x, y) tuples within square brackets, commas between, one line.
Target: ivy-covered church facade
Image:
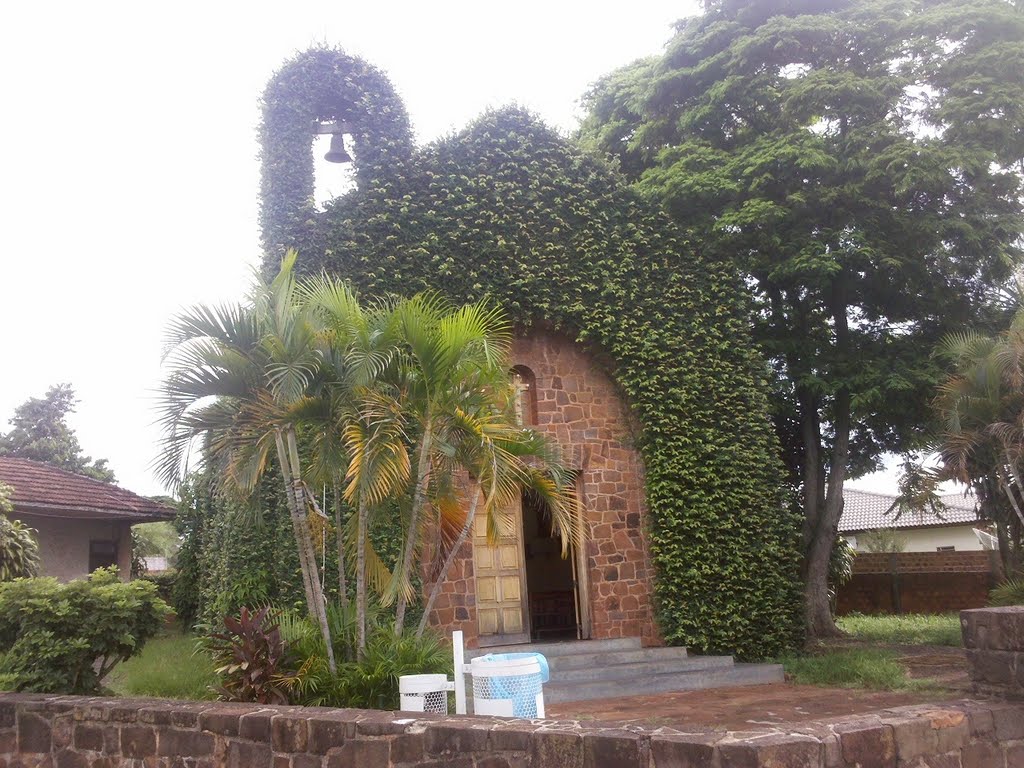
[(634, 355)]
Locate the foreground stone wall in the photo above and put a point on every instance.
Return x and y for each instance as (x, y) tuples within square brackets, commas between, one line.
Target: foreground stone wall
[(994, 639), (78, 732)]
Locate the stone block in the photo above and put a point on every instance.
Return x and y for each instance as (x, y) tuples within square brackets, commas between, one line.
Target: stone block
[(326, 733), (867, 744), (563, 749), (255, 726), (61, 730), (69, 758), (88, 737), (611, 749), (221, 721), (694, 751), (776, 751), (407, 748), (361, 753), (994, 667), (511, 736), (914, 736), (981, 755), (34, 734), (288, 733), (1008, 722), (244, 754), (138, 741), (442, 738), (1014, 755), (379, 724), (172, 742)]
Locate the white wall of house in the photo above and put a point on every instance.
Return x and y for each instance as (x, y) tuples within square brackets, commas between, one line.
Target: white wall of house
[(64, 544), (961, 537)]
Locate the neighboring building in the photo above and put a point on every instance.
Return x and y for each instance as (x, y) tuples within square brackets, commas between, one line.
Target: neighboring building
[(933, 563), (953, 530), (82, 524)]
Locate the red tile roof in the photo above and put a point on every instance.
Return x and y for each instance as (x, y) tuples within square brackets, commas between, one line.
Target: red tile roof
[(42, 489)]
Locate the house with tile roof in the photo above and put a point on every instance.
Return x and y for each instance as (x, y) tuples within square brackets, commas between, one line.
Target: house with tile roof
[(82, 524), (951, 530)]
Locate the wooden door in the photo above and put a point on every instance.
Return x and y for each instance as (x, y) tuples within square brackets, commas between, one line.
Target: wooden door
[(500, 577)]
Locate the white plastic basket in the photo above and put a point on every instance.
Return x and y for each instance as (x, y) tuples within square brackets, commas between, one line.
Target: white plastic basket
[(510, 686), (424, 693)]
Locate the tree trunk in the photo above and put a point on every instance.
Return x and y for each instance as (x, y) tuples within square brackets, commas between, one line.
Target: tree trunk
[(293, 505), (339, 536), (817, 611), (418, 501), (436, 589), (307, 552), (361, 522)]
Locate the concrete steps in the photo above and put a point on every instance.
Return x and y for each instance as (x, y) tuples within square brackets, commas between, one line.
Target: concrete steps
[(598, 669)]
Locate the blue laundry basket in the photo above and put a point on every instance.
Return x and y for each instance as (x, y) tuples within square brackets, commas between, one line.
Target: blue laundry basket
[(509, 684)]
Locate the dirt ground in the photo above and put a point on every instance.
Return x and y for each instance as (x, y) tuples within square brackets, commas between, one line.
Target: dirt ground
[(759, 705)]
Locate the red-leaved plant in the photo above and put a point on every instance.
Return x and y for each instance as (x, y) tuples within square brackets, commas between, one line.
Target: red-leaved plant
[(252, 660)]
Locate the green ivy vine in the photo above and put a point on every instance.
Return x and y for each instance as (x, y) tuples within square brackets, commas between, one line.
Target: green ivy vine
[(510, 209)]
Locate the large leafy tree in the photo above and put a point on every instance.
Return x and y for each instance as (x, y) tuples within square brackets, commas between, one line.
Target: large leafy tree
[(19, 550), (859, 160), (40, 432)]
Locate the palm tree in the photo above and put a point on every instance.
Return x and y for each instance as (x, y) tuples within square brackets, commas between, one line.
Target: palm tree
[(449, 356), (981, 406), (501, 460), (364, 440), (244, 378)]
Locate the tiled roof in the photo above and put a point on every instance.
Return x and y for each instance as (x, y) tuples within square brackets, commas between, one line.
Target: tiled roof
[(46, 490), (867, 511)]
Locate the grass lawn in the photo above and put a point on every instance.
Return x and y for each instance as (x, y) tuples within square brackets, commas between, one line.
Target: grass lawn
[(871, 656), (167, 668), (872, 668), (909, 629)]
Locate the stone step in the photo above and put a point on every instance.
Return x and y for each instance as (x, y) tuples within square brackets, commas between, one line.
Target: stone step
[(559, 649), (584, 660), (738, 674), (626, 673)]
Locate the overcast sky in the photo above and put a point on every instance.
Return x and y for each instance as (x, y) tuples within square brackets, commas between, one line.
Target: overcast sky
[(129, 178)]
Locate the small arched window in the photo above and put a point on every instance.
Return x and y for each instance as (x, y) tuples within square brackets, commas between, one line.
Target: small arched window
[(525, 384)]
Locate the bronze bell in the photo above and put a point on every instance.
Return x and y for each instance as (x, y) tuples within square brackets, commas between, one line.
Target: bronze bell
[(337, 153)]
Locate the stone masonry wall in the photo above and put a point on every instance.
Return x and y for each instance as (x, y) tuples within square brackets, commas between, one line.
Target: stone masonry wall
[(918, 582), (79, 732), (578, 406), (994, 639)]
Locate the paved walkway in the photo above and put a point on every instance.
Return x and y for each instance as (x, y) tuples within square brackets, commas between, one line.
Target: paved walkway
[(738, 708)]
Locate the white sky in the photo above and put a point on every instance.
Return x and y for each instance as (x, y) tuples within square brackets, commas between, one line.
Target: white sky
[(128, 170)]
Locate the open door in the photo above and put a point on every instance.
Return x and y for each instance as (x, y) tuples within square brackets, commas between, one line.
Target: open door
[(500, 595)]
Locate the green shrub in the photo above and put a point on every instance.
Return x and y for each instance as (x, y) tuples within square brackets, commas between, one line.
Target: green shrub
[(252, 661), (65, 638), (1010, 592), (19, 550), (164, 582), (371, 683)]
